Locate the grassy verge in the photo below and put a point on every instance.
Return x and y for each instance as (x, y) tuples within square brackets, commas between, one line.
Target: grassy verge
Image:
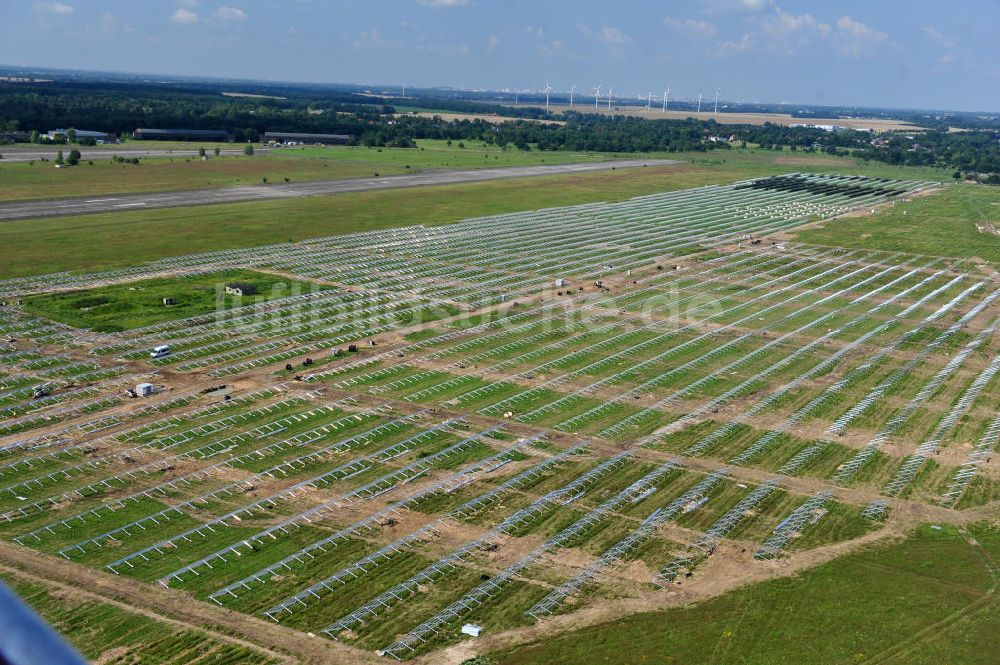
[(926, 599)]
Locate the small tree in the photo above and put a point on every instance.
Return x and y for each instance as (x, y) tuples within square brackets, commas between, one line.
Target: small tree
[(74, 157), (201, 152), (248, 151), (33, 136), (217, 151), (59, 157), (957, 175), (71, 135)]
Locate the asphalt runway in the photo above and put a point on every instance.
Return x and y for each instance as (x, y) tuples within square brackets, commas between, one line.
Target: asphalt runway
[(146, 201)]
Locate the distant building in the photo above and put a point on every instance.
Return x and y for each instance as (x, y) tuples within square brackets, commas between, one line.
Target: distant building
[(239, 289), (825, 128), (306, 139), (13, 137), (81, 134), (219, 135)]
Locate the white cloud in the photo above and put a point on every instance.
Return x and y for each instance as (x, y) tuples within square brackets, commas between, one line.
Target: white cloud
[(857, 39), (492, 42), (779, 31), (945, 64), (582, 29), (787, 28), (936, 35), (230, 14), (373, 40), (746, 43), (691, 26), (735, 6), (184, 17), (444, 3), (611, 35), (536, 31), (57, 8)]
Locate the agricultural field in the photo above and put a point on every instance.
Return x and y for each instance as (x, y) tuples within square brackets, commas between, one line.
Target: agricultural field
[(534, 422), (738, 118)]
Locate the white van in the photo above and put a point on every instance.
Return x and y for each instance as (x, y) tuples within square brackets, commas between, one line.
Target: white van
[(160, 351)]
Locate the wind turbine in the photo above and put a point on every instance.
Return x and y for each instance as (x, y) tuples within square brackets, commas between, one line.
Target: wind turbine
[(571, 91), (610, 93), (666, 96), (548, 89), (699, 102), (649, 100), (597, 95), (404, 91), (716, 101)]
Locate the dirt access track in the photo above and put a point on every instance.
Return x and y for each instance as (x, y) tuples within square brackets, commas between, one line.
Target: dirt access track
[(180, 609)]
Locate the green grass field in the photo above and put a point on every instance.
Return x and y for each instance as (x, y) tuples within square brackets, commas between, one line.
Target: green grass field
[(127, 306), (928, 599), (945, 224), (89, 242), (435, 154), (106, 633), (41, 180)]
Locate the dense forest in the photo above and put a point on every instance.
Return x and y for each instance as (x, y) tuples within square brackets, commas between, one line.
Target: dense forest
[(121, 107)]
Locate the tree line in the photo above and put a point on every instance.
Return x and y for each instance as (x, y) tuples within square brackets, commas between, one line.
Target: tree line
[(370, 121)]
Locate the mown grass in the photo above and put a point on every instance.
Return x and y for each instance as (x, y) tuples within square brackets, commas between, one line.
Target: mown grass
[(945, 224), (136, 304), (90, 242), (855, 609)]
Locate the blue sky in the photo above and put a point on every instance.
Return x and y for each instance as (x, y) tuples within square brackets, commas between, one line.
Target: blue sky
[(907, 53)]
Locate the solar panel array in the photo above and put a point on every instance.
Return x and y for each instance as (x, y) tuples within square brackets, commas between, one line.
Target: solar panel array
[(694, 389)]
